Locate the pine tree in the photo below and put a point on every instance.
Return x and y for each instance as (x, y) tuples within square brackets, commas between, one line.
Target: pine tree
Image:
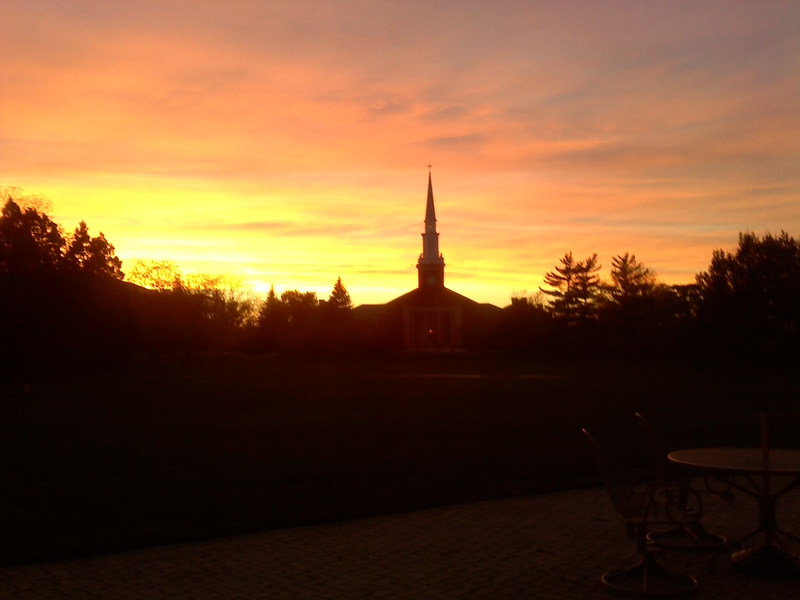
[(340, 297), (269, 314), (577, 287), (630, 278), (77, 252)]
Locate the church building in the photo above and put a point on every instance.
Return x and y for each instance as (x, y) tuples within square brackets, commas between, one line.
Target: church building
[(430, 317)]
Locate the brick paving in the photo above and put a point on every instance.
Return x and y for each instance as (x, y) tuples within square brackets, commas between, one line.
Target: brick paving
[(549, 546)]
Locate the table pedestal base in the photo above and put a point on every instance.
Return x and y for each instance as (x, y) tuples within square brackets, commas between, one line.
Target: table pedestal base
[(648, 578), (687, 537), (766, 561)]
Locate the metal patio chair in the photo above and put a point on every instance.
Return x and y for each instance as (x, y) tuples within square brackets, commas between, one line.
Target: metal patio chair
[(689, 535), (642, 504)]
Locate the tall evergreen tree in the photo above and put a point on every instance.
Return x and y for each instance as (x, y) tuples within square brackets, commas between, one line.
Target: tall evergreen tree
[(630, 278), (562, 279), (588, 286), (577, 287), (77, 252), (340, 297)]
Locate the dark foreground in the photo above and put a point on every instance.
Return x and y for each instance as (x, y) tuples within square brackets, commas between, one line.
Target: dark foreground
[(193, 449), (544, 547)]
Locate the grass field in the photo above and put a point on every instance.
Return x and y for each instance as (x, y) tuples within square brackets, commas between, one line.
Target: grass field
[(214, 445)]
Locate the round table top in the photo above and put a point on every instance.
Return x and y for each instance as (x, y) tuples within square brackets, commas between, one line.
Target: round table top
[(741, 460)]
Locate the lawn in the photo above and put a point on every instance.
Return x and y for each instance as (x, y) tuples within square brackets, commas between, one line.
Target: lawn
[(214, 445)]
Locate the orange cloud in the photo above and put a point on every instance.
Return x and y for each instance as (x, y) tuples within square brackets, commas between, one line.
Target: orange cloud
[(288, 142)]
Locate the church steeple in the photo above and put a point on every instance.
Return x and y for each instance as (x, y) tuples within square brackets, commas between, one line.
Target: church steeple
[(430, 265), (430, 211)]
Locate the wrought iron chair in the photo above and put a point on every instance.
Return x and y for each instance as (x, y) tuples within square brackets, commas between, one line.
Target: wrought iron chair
[(643, 503), (689, 535)]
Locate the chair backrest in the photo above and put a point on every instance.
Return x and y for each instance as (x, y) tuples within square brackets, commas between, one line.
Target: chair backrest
[(655, 445), (629, 497), (654, 436)]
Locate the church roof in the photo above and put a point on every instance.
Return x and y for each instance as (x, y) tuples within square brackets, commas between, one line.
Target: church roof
[(431, 296)]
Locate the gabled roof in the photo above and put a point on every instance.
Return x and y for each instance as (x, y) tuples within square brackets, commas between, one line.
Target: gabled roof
[(431, 296)]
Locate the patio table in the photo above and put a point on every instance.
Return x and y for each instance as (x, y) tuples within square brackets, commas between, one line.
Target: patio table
[(754, 471)]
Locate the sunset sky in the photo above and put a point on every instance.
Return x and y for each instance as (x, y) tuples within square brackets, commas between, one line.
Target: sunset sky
[(287, 143)]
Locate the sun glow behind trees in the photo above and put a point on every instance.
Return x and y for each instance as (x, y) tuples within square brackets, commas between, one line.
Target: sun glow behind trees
[(287, 143), (57, 288)]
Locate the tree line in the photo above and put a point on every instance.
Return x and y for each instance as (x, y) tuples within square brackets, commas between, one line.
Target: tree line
[(231, 318), (61, 301), (745, 305), (66, 303)]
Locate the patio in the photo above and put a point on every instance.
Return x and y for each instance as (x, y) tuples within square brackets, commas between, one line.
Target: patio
[(548, 546)]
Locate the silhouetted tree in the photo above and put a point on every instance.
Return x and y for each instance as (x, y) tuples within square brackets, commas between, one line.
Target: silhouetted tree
[(588, 285), (269, 312), (270, 323), (197, 311), (299, 306), (687, 300), (632, 293), (336, 328), (30, 242), (630, 279), (577, 288), (563, 280), (92, 255), (102, 260), (640, 315), (526, 326), (161, 275), (753, 295), (77, 252), (340, 297), (25, 201), (224, 302), (61, 304)]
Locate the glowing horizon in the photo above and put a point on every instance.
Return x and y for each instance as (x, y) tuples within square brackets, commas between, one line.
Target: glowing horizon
[(285, 144)]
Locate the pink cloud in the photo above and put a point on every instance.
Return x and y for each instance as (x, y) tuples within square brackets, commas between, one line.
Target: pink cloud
[(645, 127)]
